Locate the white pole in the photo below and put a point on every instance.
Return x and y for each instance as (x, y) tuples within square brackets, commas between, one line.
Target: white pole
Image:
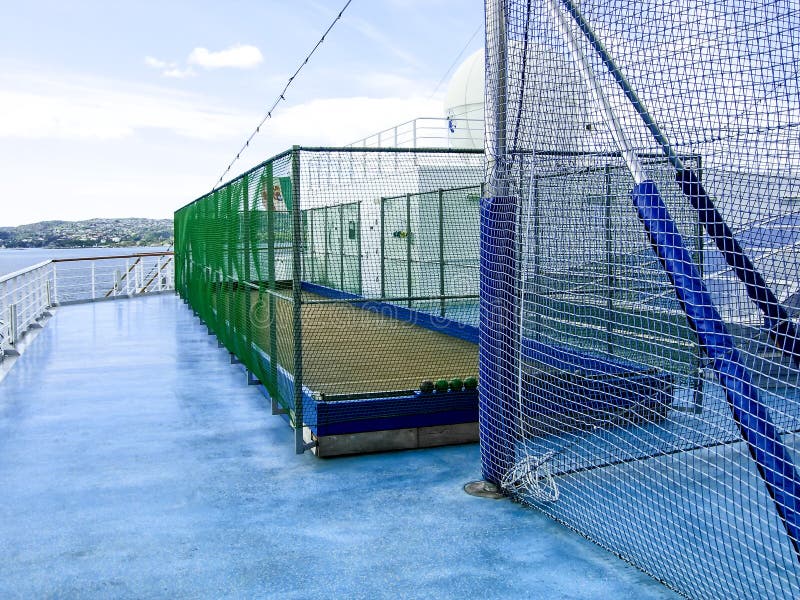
[(578, 57)]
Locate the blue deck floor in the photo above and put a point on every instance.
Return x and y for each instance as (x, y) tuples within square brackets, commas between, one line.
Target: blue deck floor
[(135, 462)]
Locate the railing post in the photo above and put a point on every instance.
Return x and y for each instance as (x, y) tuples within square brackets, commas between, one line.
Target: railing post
[(94, 282), (12, 324)]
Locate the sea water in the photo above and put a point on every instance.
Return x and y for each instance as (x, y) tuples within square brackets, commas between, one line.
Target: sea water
[(15, 259)]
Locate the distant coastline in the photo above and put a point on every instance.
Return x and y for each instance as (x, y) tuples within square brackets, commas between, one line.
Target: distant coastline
[(93, 233)]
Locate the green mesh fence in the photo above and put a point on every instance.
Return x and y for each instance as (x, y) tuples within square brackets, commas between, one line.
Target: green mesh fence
[(340, 273)]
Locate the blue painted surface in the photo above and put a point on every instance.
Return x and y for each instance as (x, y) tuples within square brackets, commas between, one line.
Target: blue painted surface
[(136, 462), (497, 356), (772, 457), (392, 412)]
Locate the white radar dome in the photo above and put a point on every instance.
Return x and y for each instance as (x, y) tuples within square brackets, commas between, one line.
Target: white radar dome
[(463, 104)]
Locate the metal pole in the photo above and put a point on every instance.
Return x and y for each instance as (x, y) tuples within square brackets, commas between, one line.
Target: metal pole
[(94, 281), (341, 247), (383, 249), (325, 226), (297, 300), (312, 246), (12, 324), (609, 265), (497, 65), (442, 286), (360, 264), (245, 246), (408, 246), (55, 284), (271, 302)]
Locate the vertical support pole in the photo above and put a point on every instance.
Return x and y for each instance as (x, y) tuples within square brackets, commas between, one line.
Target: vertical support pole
[(341, 247), (537, 256), (297, 300), (245, 246), (610, 283), (408, 248), (697, 394), (360, 259), (55, 284), (442, 286), (94, 281), (312, 246), (414, 134), (273, 388), (325, 229), (49, 292), (500, 347), (13, 332), (383, 248)]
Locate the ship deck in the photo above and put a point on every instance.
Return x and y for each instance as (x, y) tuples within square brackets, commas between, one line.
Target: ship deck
[(136, 461)]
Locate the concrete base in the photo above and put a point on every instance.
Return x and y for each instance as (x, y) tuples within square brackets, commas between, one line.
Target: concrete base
[(393, 439)]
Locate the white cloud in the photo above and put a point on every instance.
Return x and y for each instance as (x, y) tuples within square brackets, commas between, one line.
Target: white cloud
[(176, 73), (156, 63), (168, 69), (339, 121), (238, 57), (105, 110)]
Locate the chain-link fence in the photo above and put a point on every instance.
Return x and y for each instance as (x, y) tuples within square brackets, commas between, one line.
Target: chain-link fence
[(339, 275)]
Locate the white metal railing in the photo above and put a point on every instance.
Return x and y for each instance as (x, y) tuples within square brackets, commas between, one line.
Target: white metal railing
[(427, 132), (24, 298), (26, 295)]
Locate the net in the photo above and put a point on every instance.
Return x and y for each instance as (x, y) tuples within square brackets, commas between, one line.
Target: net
[(336, 275), (639, 282)]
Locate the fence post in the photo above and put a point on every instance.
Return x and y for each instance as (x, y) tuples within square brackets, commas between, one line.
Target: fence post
[(360, 265), (341, 247), (442, 287), (297, 299), (273, 327), (609, 264), (408, 246), (383, 249), (245, 246)]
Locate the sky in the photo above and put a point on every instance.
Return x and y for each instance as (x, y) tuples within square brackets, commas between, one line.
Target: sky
[(132, 109)]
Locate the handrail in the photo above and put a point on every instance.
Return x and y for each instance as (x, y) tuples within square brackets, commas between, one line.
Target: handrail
[(112, 256), (25, 270)]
